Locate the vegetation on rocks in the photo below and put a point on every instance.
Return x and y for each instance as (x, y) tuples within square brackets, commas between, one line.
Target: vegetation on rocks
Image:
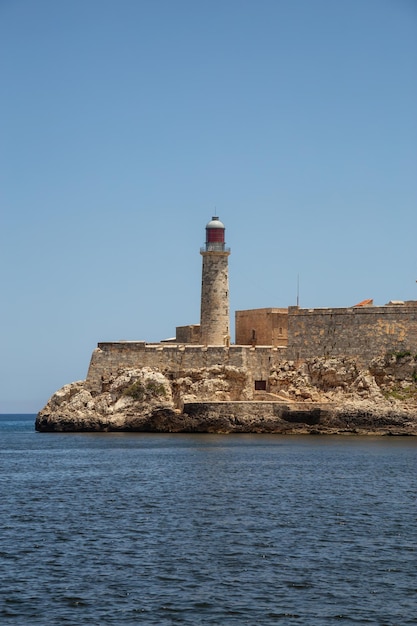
[(319, 395), (139, 391)]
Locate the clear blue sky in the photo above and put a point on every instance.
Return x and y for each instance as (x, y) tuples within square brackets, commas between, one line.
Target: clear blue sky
[(126, 124)]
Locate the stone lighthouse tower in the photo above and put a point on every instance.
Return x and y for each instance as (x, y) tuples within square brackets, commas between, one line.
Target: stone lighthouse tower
[(214, 319)]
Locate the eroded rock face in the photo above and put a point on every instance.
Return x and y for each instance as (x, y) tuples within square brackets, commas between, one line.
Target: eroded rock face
[(133, 399), (313, 378), (323, 379), (212, 384), (382, 398)]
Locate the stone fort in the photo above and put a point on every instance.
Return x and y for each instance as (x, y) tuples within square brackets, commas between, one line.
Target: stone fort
[(265, 337)]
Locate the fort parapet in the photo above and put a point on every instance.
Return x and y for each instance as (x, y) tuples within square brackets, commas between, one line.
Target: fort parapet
[(174, 359), (358, 332), (361, 333)]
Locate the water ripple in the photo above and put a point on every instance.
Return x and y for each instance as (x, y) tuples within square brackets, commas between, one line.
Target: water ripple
[(200, 530)]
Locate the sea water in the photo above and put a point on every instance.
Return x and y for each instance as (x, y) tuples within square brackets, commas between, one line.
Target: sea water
[(133, 528)]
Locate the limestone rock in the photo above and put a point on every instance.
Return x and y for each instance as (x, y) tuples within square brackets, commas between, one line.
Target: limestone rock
[(133, 399), (212, 383), (318, 396)]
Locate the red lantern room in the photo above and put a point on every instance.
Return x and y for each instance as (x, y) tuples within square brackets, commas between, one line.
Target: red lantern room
[(215, 235)]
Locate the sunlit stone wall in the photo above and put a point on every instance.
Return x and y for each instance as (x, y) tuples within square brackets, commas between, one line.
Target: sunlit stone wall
[(359, 332), (174, 359)]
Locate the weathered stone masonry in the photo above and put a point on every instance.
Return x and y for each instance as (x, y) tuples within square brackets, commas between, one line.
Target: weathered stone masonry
[(214, 319), (109, 357), (358, 332), (214, 324), (264, 337)]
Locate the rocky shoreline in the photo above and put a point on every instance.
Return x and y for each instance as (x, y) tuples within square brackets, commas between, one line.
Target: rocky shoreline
[(319, 396)]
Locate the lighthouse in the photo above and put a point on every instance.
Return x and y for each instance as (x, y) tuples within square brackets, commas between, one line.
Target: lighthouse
[(214, 318)]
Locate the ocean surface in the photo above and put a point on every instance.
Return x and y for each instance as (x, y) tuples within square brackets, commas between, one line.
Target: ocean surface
[(161, 529)]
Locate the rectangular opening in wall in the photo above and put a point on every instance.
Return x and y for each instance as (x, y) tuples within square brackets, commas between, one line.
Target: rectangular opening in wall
[(260, 385)]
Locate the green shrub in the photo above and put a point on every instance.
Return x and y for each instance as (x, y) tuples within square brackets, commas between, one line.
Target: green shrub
[(401, 354), (400, 393), (136, 391), (155, 389), (140, 392)]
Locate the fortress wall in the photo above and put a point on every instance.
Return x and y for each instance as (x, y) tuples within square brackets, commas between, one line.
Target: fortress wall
[(360, 332), (188, 334), (174, 359), (261, 327)]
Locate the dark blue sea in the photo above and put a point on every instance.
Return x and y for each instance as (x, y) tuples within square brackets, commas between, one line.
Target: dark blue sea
[(160, 529)]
